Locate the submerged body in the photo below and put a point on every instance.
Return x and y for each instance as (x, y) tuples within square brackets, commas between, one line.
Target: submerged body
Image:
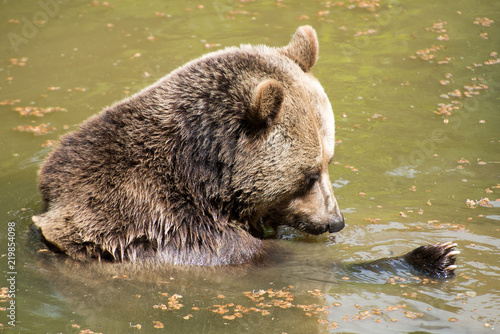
[(437, 260)]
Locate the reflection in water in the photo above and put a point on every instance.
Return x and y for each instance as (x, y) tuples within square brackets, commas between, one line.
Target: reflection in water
[(209, 297), (404, 171)]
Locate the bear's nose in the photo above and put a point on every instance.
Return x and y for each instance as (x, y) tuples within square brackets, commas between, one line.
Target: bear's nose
[(337, 224)]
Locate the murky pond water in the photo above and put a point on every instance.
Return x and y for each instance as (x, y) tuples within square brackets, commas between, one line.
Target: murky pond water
[(415, 88)]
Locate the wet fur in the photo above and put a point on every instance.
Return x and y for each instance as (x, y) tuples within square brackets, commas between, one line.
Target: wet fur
[(179, 172), (169, 175), (437, 260)]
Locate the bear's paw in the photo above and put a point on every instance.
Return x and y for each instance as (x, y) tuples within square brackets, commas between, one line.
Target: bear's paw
[(437, 260)]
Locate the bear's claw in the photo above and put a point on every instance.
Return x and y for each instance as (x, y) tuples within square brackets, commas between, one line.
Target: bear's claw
[(437, 260)]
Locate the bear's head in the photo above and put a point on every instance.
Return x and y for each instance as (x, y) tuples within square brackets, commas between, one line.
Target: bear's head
[(258, 135), (289, 167)]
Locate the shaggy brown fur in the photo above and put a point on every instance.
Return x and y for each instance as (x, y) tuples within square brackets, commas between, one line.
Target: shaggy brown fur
[(184, 171)]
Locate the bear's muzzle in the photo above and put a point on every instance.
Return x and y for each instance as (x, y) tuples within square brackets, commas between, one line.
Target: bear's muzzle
[(337, 224)]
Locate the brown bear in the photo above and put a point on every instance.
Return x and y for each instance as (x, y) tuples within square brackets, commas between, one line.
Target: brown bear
[(187, 170)]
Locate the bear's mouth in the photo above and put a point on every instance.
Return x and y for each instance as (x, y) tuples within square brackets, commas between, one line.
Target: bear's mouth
[(317, 229), (335, 225)]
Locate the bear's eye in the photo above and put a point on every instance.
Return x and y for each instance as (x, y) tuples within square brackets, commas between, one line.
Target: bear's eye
[(311, 179)]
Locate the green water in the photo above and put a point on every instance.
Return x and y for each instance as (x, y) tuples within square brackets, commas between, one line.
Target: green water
[(403, 174)]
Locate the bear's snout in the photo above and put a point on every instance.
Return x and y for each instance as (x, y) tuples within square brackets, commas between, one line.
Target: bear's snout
[(337, 224)]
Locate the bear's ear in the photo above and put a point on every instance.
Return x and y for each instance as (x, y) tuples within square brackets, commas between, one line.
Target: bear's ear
[(267, 101), (303, 48)]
